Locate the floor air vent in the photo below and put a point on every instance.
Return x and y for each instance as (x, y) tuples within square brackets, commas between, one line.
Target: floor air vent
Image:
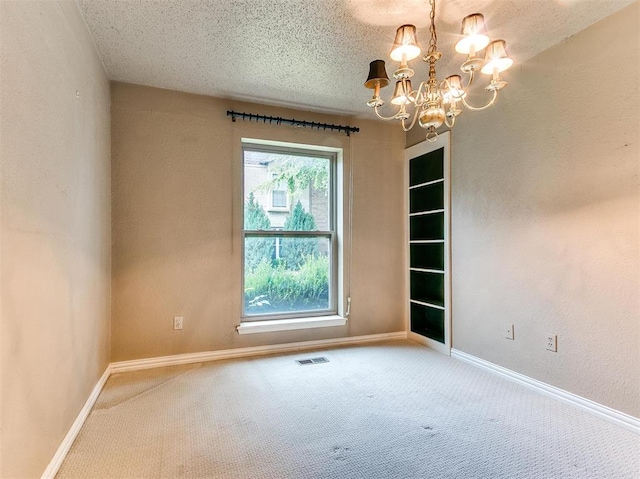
[(304, 362)]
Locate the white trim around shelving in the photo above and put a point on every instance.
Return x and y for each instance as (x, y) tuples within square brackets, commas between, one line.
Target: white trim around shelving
[(430, 305), (429, 212), (424, 270), (428, 342), (426, 184), (443, 141), (616, 417)]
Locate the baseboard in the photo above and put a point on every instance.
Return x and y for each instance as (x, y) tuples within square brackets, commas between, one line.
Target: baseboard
[(621, 419), (616, 417), (428, 342), (52, 469), (161, 361), (122, 366)]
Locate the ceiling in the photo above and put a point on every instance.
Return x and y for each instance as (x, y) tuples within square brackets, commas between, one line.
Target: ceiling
[(308, 54)]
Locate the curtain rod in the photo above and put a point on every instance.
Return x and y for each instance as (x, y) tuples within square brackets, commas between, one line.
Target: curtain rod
[(291, 121)]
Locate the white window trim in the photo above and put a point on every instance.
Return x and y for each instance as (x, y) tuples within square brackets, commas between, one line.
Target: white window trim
[(247, 326), (273, 325)]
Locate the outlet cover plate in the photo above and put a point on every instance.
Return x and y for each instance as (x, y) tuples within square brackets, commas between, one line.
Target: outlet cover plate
[(552, 342), (178, 322)]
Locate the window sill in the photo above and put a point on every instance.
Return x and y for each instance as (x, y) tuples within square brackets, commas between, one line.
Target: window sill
[(251, 327), (278, 209)]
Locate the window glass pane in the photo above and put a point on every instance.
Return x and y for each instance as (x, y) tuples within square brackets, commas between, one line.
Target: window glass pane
[(286, 274), (269, 177), (279, 198)]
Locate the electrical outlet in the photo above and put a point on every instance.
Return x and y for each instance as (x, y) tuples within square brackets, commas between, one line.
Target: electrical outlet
[(552, 342), (177, 322), (508, 331)]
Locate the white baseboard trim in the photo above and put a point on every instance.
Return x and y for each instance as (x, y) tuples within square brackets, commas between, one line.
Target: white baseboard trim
[(122, 366), (52, 469), (616, 417), (161, 361), (428, 342)]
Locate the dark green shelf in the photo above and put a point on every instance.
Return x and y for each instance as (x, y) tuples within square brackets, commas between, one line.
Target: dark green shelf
[(426, 168), (427, 227), (427, 287), (426, 205), (427, 321), (426, 198), (427, 256)]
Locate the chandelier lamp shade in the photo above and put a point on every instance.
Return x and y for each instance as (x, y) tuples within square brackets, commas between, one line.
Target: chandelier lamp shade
[(434, 102)]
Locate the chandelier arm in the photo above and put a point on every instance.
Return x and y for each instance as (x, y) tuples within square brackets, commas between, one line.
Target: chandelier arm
[(453, 121), (419, 101), (478, 108), (375, 108), (471, 77), (418, 97), (413, 122), (464, 90), (405, 91)]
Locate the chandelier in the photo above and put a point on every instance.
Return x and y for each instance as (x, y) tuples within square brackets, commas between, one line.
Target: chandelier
[(437, 103)]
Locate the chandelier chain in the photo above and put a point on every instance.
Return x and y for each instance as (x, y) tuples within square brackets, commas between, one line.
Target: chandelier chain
[(433, 41)]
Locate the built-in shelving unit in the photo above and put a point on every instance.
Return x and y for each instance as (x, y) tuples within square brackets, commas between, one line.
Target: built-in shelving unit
[(428, 251)]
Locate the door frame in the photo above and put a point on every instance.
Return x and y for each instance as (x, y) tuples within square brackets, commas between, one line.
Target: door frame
[(443, 141)]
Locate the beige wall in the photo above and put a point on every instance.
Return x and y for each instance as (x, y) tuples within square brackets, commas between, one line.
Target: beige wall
[(545, 218), (176, 222), (54, 228)]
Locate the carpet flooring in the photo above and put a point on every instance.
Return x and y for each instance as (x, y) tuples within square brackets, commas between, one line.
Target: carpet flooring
[(384, 410)]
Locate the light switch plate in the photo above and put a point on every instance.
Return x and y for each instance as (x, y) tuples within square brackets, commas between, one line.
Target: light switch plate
[(508, 331)]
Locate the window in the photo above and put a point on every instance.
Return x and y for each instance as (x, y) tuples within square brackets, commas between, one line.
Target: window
[(278, 198), (289, 234)]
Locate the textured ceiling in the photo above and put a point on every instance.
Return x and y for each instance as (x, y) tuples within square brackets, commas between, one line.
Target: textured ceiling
[(308, 54)]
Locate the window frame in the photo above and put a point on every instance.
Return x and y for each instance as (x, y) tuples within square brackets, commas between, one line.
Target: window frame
[(293, 149), (272, 206), (275, 207)]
